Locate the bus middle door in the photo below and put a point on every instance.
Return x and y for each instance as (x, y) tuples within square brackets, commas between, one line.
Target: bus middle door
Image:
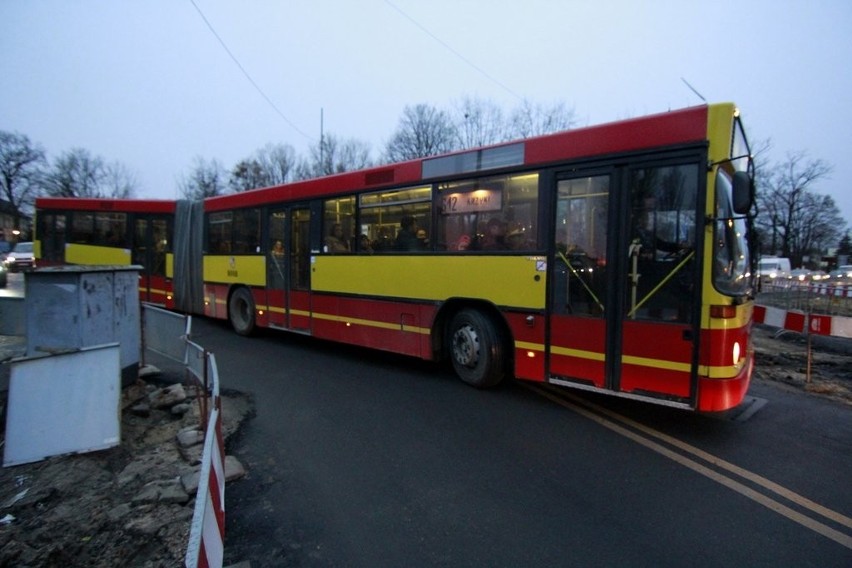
[(288, 268)]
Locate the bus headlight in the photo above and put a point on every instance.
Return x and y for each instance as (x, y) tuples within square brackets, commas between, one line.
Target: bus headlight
[(737, 350)]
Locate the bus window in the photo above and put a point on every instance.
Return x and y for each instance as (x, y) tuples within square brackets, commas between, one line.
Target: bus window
[(53, 239), (246, 231), (110, 229), (339, 225), (581, 239), (490, 214), (662, 229), (234, 232), (220, 226), (82, 228), (398, 220)]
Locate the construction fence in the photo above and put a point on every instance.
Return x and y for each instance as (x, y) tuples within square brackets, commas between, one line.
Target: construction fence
[(168, 334)]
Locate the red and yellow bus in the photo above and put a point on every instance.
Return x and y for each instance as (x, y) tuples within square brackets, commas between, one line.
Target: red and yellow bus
[(613, 258), (116, 232)]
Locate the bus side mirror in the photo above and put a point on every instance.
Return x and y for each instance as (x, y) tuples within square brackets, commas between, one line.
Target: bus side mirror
[(743, 194)]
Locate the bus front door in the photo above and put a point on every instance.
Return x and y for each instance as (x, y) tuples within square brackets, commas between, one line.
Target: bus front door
[(661, 303), (624, 297)]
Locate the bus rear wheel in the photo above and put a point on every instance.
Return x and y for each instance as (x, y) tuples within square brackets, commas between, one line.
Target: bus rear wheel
[(476, 349), (241, 311)]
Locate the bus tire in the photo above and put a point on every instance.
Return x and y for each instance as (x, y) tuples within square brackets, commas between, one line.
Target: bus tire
[(241, 311), (476, 349)]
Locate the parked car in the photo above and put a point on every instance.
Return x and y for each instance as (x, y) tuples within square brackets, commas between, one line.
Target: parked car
[(843, 272), (800, 274), (21, 258)]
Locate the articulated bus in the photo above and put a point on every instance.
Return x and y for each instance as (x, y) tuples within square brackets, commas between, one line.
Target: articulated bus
[(117, 232), (612, 258)]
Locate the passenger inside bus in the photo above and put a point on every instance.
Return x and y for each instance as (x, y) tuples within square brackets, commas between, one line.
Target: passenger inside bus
[(276, 257), (406, 239), (495, 235), (335, 241)]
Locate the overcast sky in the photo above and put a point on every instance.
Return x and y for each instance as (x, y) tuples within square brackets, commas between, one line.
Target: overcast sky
[(147, 83)]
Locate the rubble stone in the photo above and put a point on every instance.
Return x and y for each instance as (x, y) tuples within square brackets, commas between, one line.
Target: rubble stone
[(168, 396)]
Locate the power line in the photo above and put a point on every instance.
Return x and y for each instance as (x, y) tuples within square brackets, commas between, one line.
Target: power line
[(247, 76), (454, 52)]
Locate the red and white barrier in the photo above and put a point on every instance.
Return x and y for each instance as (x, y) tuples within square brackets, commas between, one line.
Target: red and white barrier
[(794, 320), (206, 546), (832, 290), (168, 334)]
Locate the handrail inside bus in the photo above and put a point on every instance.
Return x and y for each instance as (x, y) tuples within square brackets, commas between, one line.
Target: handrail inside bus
[(662, 283), (586, 286)]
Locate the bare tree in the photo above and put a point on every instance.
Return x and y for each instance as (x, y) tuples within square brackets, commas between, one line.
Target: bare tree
[(818, 227), (271, 165), (423, 131), (534, 119), (277, 162), (478, 123), (205, 179), (246, 175), (21, 168), (118, 181), (76, 173), (331, 155), (793, 219)]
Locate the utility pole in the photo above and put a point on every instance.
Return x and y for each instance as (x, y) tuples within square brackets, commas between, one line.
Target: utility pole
[(322, 146)]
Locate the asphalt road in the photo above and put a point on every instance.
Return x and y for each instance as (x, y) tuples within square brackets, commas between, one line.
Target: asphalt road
[(359, 458), (14, 285)]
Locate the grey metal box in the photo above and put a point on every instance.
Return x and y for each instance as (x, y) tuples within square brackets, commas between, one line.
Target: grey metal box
[(71, 307)]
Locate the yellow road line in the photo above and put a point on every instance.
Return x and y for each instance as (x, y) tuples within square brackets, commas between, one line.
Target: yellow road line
[(605, 418)]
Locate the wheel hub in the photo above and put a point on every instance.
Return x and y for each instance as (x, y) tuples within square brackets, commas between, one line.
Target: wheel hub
[(466, 346)]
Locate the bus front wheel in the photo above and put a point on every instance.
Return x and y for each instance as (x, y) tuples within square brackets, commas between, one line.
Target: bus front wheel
[(241, 311), (476, 349)]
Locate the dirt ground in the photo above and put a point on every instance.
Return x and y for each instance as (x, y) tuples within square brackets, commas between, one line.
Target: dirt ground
[(93, 510), (782, 358), (118, 507)]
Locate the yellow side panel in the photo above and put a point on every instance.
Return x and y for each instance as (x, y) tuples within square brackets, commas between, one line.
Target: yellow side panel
[(250, 270), (170, 265), (91, 254), (504, 280)]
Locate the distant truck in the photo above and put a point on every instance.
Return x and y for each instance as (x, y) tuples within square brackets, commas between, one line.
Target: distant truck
[(773, 267)]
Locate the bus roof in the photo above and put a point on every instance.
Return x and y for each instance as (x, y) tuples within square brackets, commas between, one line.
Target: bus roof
[(116, 205), (675, 127)]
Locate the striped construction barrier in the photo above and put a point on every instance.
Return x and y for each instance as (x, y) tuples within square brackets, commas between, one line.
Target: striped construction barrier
[(831, 290), (801, 322), (206, 546), (167, 334)]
